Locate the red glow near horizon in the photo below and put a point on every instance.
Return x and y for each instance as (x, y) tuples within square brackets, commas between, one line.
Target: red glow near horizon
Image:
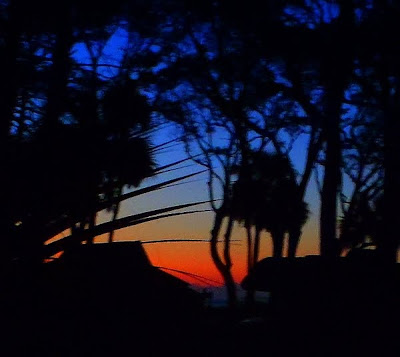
[(194, 258), (185, 258)]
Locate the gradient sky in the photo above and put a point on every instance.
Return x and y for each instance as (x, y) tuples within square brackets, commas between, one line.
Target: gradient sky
[(194, 257), (191, 257)]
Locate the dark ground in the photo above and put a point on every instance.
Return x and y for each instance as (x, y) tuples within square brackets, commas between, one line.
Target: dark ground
[(76, 308)]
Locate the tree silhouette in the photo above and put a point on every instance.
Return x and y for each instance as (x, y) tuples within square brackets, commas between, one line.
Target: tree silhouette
[(79, 136), (223, 73), (363, 163), (267, 199), (378, 89)]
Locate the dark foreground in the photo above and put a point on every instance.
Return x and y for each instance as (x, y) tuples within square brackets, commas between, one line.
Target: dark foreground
[(97, 305)]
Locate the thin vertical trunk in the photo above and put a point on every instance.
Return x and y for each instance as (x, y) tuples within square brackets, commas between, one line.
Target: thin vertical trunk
[(250, 264), (332, 171), (389, 242), (314, 147), (330, 187), (256, 245), (250, 295), (230, 286), (277, 240), (294, 238), (222, 268), (250, 261), (115, 215)]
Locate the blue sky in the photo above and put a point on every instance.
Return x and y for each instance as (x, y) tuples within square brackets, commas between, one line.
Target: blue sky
[(197, 225)]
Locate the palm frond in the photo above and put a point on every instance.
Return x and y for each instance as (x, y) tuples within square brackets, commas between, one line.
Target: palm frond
[(64, 222), (121, 223)]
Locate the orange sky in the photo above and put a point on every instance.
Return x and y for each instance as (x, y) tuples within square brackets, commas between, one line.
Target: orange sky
[(194, 257), (189, 256)]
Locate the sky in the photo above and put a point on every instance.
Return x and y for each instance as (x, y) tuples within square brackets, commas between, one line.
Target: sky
[(194, 257), (189, 256)]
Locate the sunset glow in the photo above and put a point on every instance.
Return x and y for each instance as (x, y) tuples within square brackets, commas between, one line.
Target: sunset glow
[(195, 257)]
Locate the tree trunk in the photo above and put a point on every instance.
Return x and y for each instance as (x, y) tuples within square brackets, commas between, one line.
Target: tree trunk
[(230, 283), (389, 242), (250, 295), (256, 245), (332, 171), (250, 264), (330, 186), (294, 238), (314, 147), (337, 67), (221, 267), (277, 240), (115, 215), (250, 260)]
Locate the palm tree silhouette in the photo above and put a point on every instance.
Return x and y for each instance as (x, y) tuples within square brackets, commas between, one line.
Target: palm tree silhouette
[(265, 197), (126, 114), (362, 224)]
